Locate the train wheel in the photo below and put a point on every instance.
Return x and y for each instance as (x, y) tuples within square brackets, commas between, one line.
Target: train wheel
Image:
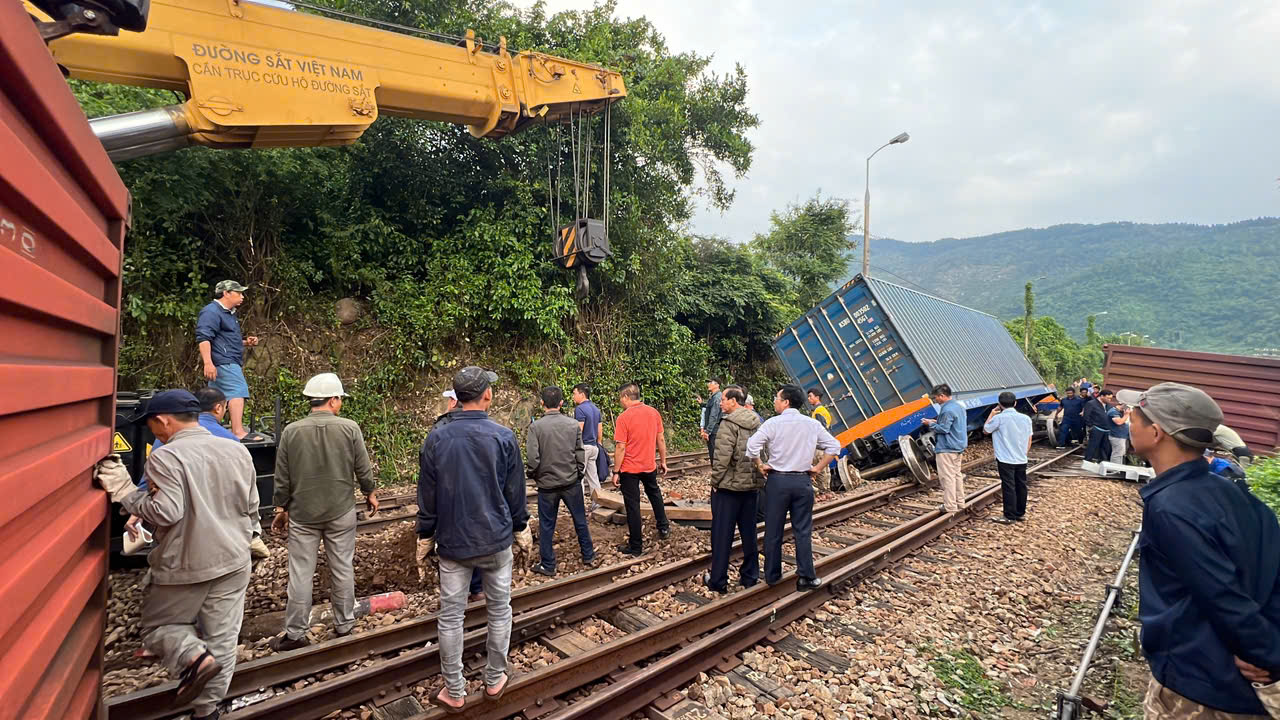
[(913, 455), (1051, 425), (849, 474)]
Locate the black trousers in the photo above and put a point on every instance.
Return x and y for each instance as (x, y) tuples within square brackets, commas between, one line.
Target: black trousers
[(733, 510), (630, 484), (1013, 489), (788, 492), (1099, 445), (711, 447)]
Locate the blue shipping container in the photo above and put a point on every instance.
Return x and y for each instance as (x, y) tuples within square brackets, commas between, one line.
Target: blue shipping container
[(874, 347)]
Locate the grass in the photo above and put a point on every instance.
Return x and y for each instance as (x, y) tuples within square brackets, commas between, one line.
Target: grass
[(962, 673)]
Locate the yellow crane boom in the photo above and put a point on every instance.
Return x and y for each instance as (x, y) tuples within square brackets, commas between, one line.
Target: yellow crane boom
[(261, 76)]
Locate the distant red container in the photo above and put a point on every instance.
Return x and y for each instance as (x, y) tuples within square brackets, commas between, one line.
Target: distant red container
[(63, 213), (1246, 388)]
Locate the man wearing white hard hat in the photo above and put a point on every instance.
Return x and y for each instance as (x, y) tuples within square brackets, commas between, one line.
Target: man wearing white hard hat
[(319, 461)]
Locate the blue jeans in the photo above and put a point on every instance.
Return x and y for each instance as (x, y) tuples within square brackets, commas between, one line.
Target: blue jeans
[(788, 492), (733, 510), (548, 507), (454, 577), (1070, 429)]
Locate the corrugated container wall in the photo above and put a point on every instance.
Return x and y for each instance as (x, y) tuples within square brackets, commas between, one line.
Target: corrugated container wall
[(1247, 388), (62, 223), (873, 346)]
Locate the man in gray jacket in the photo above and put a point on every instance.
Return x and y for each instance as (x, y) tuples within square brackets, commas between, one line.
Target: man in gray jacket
[(319, 461), (711, 417), (555, 461), (734, 485), (201, 498)]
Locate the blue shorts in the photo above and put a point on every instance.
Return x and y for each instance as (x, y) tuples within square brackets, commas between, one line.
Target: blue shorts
[(231, 382)]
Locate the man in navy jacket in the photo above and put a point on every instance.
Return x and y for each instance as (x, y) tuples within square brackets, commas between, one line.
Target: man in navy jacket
[(1209, 576), (471, 508)]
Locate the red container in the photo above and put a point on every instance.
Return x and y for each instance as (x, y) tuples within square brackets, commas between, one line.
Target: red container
[(63, 213), (1247, 388)]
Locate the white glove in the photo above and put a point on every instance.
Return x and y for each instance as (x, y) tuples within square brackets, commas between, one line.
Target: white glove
[(523, 540), (112, 475), (425, 547)]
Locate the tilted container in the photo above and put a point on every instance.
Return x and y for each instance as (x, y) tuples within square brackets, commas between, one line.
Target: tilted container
[(876, 349)]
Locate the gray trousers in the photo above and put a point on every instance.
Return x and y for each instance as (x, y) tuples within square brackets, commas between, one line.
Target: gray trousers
[(339, 538), (455, 577), (1118, 446), (169, 617), (591, 473)]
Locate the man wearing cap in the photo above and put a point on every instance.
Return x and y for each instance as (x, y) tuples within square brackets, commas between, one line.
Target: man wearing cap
[(222, 350), (1229, 440), (201, 499), (471, 510), (1095, 418), (1210, 601), (556, 462), (319, 461), (711, 417), (1118, 414), (213, 405), (476, 589), (751, 405)]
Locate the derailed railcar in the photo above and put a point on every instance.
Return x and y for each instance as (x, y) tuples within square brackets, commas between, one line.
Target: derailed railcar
[(876, 349)]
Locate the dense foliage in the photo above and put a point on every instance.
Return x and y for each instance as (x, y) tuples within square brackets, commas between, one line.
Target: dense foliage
[(1264, 481), (1186, 286), (444, 238)]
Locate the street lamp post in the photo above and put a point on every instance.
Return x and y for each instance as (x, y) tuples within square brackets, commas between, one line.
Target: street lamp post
[(866, 206)]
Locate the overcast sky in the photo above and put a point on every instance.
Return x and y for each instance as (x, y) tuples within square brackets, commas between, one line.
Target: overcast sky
[(1020, 114)]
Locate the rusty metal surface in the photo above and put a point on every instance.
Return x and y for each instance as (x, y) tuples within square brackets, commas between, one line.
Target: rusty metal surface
[(62, 221), (1246, 388)]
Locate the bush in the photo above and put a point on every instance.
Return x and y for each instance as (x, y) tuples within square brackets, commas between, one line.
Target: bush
[(1264, 481)]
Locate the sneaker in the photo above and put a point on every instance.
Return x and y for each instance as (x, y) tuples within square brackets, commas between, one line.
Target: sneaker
[(664, 534), (1003, 520), (544, 570), (284, 643), (626, 549), (593, 562), (706, 580)]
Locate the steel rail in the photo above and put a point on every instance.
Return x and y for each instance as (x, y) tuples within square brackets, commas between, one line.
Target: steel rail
[(633, 691), (396, 677)]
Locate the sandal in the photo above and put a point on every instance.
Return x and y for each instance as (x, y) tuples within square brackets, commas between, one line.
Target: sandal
[(195, 677), (253, 437), (451, 709), (502, 687)]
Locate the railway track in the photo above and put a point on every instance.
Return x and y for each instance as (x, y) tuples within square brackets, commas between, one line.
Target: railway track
[(548, 609)]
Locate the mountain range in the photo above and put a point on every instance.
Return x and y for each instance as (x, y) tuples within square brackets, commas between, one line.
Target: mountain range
[(1202, 287)]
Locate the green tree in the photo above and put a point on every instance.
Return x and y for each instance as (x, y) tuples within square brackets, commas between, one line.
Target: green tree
[(809, 244)]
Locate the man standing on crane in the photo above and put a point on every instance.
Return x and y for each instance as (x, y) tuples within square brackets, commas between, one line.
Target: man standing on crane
[(222, 350)]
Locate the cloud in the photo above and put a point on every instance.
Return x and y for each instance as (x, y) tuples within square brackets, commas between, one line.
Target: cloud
[(1020, 114)]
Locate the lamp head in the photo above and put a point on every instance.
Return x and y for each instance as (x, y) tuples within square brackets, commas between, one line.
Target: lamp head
[(901, 138)]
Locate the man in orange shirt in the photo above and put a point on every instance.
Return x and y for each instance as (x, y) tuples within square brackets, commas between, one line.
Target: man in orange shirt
[(637, 435)]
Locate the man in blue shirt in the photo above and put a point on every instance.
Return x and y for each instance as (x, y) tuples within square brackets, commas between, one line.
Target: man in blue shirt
[(1010, 433), (592, 425), (222, 350), (951, 438), (1072, 428), (1209, 576), (1119, 417)]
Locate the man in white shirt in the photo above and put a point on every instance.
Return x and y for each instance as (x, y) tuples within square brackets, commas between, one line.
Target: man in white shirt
[(791, 439), (1010, 433)]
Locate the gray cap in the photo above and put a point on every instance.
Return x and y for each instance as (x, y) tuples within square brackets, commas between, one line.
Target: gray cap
[(229, 286), (1182, 411), (471, 382), (1227, 439)]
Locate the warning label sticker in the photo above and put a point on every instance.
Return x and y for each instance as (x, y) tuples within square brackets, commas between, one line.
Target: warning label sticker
[(119, 444)]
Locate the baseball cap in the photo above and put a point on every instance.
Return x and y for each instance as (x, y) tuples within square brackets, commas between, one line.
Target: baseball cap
[(449, 394), (170, 402), (229, 286), (1185, 412), (471, 382), (324, 385)]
